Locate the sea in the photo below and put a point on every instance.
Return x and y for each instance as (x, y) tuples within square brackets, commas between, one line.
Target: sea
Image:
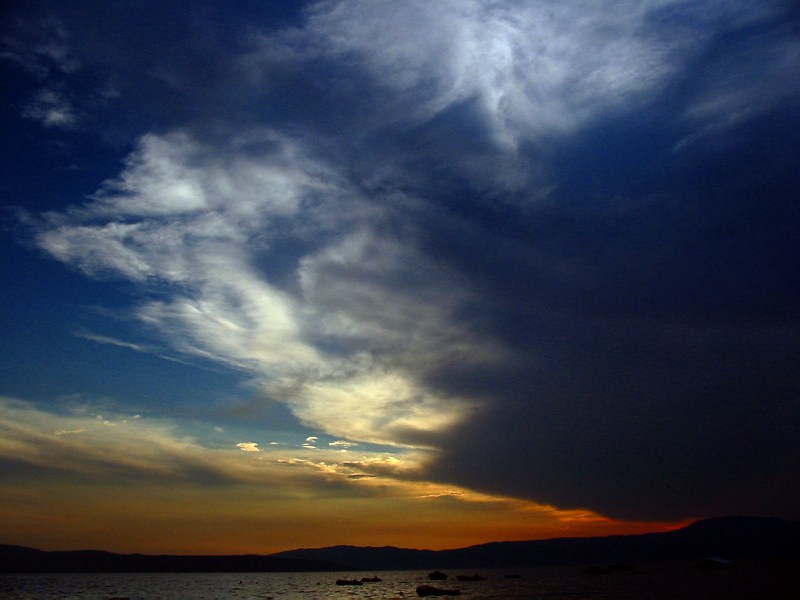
[(652, 581)]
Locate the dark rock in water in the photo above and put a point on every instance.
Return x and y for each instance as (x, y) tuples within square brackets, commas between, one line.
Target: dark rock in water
[(371, 579), (596, 571), (348, 582), (475, 577), (437, 576), (429, 590), (713, 563), (615, 568)]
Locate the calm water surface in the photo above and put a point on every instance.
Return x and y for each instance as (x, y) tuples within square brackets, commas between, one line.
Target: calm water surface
[(649, 582)]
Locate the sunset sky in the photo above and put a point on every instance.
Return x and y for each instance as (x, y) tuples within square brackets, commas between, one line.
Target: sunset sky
[(418, 273)]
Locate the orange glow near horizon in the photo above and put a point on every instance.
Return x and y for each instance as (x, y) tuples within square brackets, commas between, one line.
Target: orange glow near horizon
[(190, 520), (79, 482)]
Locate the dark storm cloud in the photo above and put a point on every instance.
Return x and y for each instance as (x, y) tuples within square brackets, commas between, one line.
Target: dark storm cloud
[(655, 364), (578, 220), (655, 355)]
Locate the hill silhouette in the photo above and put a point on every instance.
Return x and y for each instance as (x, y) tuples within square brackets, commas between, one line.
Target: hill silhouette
[(19, 559), (729, 537)]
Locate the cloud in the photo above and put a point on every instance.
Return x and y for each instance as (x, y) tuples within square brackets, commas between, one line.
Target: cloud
[(89, 446), (203, 222), (342, 444), (112, 448), (70, 474), (554, 246), (620, 416), (43, 50), (522, 62), (744, 77), (51, 109), (143, 348), (41, 47), (102, 339), (68, 431), (248, 446)]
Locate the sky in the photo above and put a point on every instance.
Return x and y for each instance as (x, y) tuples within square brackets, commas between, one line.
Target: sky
[(412, 273)]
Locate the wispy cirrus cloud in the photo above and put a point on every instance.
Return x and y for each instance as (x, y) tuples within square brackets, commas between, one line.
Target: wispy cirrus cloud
[(343, 444), (102, 339), (51, 109), (133, 475), (534, 68), (118, 447), (42, 48), (37, 445), (204, 223)]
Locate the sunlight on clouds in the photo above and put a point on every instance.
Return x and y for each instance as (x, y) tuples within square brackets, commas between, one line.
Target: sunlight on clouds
[(130, 448), (248, 446), (140, 471), (342, 444), (68, 431), (264, 252), (94, 445), (402, 221), (111, 446), (377, 407), (199, 219)]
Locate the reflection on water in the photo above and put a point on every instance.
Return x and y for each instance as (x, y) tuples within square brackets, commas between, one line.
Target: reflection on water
[(662, 580)]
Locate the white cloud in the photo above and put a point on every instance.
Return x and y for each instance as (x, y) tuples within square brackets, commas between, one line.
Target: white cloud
[(536, 68), (102, 339), (200, 221), (342, 444), (248, 446), (51, 109), (174, 175)]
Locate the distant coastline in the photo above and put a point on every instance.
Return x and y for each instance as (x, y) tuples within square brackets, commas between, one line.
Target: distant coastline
[(729, 537)]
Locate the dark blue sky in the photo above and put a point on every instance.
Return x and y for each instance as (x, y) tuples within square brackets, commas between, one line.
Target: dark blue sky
[(550, 246)]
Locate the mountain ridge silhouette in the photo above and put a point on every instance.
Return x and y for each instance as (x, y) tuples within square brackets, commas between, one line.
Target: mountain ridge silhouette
[(729, 537)]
